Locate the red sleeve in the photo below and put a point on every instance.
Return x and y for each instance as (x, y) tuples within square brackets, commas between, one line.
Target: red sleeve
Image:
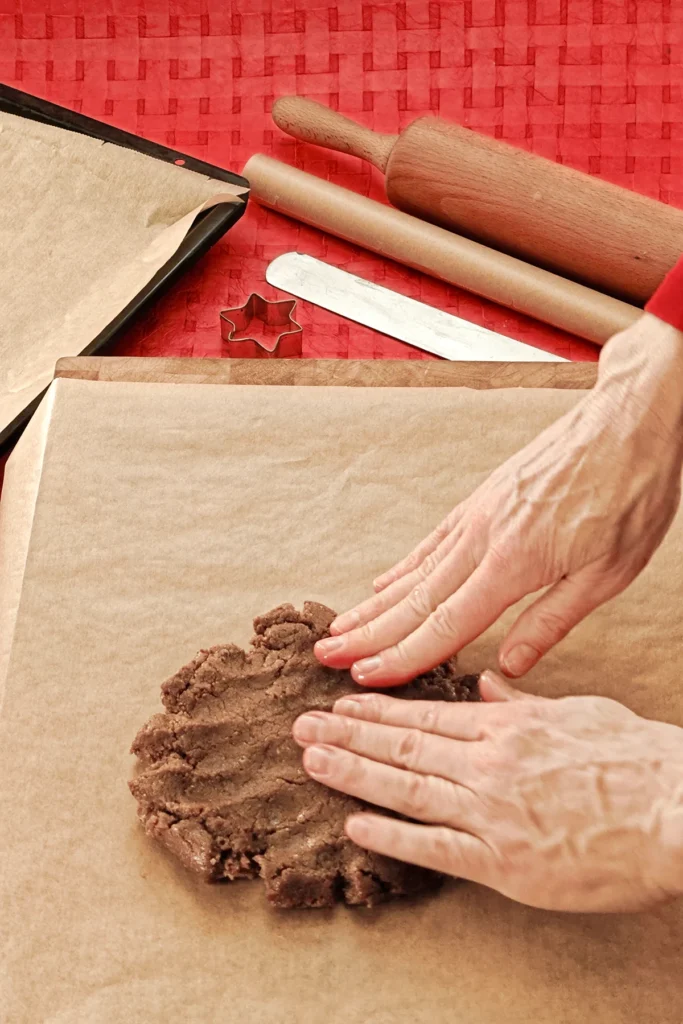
[(667, 301)]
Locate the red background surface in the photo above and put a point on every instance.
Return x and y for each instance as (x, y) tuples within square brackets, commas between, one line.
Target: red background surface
[(593, 83)]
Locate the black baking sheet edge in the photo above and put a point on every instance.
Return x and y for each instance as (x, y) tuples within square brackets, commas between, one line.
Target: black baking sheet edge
[(205, 232)]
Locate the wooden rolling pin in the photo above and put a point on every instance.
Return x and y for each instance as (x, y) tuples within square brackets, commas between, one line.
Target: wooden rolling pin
[(437, 252), (616, 240)]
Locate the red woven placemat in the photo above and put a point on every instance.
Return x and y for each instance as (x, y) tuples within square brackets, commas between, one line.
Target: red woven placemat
[(595, 83)]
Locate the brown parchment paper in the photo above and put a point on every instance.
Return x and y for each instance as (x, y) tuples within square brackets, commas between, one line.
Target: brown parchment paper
[(167, 516), (16, 520), (84, 225)]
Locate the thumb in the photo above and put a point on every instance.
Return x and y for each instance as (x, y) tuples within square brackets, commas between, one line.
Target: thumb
[(493, 687), (548, 620)]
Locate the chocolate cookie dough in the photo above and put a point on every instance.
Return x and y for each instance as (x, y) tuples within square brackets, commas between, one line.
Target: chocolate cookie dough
[(221, 783)]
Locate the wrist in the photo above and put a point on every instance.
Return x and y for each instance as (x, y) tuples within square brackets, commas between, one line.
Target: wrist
[(671, 823), (641, 373)]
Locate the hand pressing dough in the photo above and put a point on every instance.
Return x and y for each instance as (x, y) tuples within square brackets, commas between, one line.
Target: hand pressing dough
[(221, 782)]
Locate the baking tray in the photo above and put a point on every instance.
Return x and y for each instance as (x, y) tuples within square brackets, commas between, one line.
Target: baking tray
[(210, 225)]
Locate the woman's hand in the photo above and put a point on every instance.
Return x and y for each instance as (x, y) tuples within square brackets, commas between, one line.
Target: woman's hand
[(572, 804), (580, 510)]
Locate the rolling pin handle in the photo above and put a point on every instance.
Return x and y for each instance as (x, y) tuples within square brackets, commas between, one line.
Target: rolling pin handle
[(312, 122)]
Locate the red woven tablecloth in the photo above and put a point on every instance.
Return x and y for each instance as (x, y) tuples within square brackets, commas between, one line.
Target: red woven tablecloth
[(595, 83)]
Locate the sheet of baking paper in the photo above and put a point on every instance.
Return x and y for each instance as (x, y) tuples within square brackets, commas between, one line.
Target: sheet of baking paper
[(84, 226), (16, 520), (166, 517)]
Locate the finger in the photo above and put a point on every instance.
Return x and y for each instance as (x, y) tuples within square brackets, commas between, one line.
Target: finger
[(441, 849), (495, 689), (451, 626), (371, 608), (396, 623), (407, 748), (458, 721), (548, 620), (394, 592), (419, 553), (424, 797)]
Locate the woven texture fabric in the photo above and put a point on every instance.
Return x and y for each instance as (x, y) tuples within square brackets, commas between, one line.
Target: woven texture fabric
[(593, 83)]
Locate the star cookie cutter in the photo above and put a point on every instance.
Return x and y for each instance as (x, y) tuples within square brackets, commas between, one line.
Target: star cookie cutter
[(287, 344)]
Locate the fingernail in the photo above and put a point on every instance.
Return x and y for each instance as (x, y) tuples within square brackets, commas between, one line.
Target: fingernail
[(343, 623), (348, 706), (329, 645), (318, 761), (357, 828), (494, 683), (309, 727), (362, 669), (519, 660)]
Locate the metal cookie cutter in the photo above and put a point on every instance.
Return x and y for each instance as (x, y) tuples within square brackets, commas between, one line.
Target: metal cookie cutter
[(287, 344)]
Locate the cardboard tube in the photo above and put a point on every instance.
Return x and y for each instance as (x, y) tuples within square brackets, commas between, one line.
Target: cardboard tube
[(438, 252)]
